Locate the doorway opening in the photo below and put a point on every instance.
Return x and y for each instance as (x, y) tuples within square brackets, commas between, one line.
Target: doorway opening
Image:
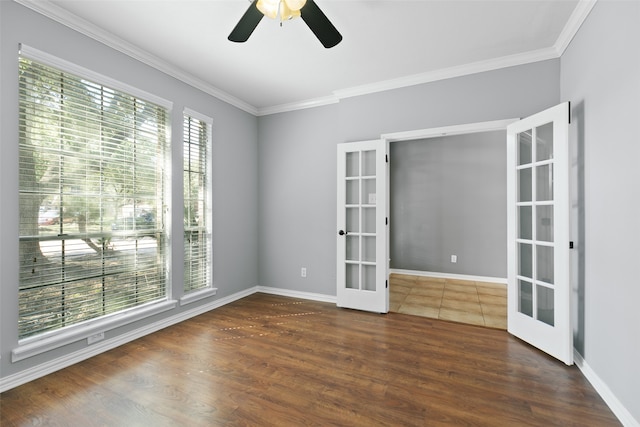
[(448, 223)]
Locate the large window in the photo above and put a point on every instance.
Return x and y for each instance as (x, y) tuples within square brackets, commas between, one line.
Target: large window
[(92, 200), (197, 202)]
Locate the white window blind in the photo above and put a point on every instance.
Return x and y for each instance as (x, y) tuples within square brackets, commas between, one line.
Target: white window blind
[(91, 184), (197, 204)]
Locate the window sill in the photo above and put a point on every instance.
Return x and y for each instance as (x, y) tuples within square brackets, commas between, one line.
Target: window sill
[(197, 295), (33, 346)]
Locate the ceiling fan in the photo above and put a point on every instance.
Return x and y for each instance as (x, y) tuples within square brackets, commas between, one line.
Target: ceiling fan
[(308, 10)]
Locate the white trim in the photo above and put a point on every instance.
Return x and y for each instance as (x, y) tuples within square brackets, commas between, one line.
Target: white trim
[(572, 26), (79, 71), (76, 23), (623, 415), (32, 347), (472, 278), (51, 366), (296, 294), (197, 295), (448, 130), (301, 105), (198, 116), (451, 72)]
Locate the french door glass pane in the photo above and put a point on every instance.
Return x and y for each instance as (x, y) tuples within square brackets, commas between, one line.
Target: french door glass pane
[(545, 311), (544, 182), (353, 164), (353, 192), (544, 264), (544, 142), (524, 185), (544, 223), (524, 148), (352, 273), (525, 223), (369, 191), (525, 264), (353, 248), (525, 298), (353, 220), (369, 249), (368, 219), (369, 277), (369, 163)]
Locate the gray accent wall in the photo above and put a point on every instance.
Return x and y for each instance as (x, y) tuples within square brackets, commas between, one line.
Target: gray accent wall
[(600, 75), (448, 197), (235, 169)]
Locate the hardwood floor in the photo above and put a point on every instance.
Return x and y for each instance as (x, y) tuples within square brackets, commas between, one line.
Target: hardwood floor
[(269, 360)]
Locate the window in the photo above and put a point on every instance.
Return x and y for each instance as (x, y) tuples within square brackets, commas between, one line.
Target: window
[(92, 200), (197, 203)]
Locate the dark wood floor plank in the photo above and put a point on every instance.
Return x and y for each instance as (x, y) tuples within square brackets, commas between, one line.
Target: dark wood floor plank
[(272, 361)]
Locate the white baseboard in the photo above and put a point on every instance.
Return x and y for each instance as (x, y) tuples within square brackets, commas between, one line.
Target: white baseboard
[(603, 390), (297, 294), (502, 280)]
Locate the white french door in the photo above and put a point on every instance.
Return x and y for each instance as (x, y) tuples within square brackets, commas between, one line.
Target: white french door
[(362, 235), (538, 232)]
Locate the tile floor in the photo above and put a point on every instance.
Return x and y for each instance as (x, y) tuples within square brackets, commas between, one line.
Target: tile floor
[(464, 301)]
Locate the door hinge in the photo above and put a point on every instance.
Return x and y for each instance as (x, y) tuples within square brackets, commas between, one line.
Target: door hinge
[(386, 221), (570, 245), (386, 158), (386, 283)]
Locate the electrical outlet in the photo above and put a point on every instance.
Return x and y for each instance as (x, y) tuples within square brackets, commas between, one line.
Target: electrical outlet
[(454, 258), (303, 272), (95, 338)]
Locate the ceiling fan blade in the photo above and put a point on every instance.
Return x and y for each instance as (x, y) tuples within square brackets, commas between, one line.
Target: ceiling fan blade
[(320, 24), (247, 24)]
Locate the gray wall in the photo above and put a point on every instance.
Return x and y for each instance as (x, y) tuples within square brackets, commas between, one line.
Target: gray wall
[(297, 158), (448, 196), (600, 75), (235, 168)]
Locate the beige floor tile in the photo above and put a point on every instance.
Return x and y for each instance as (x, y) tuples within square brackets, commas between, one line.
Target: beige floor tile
[(498, 322), (419, 310), (494, 309), (492, 299), (464, 301), (461, 316), (460, 296), (401, 288), (426, 300), (460, 282), (461, 287), (426, 291), (468, 306), (486, 288)]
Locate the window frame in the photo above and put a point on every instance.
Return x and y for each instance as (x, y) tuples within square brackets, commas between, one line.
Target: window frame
[(209, 290), (32, 345)]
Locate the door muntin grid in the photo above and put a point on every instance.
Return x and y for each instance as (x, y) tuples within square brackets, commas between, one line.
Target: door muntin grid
[(535, 221), (360, 214)]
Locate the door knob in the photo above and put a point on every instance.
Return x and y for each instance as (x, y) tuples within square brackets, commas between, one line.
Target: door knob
[(343, 233)]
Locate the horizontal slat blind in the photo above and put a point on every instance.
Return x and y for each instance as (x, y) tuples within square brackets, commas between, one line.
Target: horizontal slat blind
[(197, 213), (92, 236)]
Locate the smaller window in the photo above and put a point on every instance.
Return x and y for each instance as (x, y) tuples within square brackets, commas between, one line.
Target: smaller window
[(197, 202)]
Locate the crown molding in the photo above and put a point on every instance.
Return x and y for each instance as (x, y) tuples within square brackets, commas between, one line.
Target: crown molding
[(293, 106), (74, 22), (58, 14), (448, 73), (574, 23)]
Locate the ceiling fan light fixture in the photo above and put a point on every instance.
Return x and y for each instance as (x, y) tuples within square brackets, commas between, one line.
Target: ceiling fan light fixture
[(286, 9)]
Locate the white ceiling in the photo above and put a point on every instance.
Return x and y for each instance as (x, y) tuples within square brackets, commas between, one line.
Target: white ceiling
[(386, 44)]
